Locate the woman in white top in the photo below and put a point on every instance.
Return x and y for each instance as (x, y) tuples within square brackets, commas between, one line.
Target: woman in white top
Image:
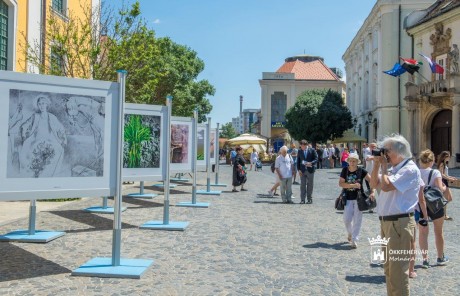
[(426, 162), (442, 164), (254, 158)]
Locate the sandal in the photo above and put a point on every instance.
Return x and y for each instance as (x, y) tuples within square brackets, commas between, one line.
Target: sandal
[(448, 218), (242, 189), (412, 274), (234, 190)]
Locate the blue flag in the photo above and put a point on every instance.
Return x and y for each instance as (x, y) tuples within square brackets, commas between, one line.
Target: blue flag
[(396, 71)]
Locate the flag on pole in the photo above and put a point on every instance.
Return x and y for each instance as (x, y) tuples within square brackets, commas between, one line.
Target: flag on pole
[(435, 67), (396, 71), (411, 65)]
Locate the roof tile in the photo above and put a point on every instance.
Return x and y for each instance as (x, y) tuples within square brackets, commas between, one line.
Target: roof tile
[(315, 70)]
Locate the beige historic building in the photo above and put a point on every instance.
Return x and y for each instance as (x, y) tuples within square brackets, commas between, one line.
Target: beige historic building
[(376, 100), (280, 89), (433, 99)]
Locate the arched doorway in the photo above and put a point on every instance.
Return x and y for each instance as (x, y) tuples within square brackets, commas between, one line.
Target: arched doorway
[(441, 132)]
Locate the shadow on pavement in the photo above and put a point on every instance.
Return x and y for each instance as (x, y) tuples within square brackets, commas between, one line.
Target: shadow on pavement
[(18, 264), (368, 279), (160, 189), (142, 203), (336, 246), (97, 222)]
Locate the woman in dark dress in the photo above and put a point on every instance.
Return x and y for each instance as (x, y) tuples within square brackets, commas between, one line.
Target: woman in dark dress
[(239, 173)]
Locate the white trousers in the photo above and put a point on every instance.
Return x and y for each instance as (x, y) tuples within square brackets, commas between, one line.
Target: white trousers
[(353, 217)]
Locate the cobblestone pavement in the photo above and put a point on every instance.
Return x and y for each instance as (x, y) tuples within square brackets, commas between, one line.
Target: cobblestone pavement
[(240, 245)]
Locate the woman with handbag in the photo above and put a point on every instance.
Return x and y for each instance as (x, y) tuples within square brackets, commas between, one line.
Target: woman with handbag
[(239, 172), (431, 178), (442, 164), (351, 180)]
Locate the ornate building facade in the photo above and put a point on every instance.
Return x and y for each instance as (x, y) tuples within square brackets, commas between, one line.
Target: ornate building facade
[(376, 100), (433, 99)]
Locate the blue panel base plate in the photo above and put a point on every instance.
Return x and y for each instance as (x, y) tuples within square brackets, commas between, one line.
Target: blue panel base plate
[(162, 185), (208, 192), (40, 236), (179, 180), (102, 210), (219, 185), (145, 195), (158, 225), (102, 267), (193, 205)]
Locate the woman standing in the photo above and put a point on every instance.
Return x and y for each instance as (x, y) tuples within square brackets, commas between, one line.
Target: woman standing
[(431, 178), (443, 161), (254, 159), (344, 157), (239, 173), (351, 180)]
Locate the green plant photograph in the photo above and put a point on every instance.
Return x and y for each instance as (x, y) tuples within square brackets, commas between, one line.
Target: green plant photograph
[(141, 147), (200, 144)]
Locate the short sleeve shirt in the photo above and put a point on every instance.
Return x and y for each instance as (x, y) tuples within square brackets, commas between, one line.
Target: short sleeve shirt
[(425, 173), (407, 181), (284, 164), (352, 178)]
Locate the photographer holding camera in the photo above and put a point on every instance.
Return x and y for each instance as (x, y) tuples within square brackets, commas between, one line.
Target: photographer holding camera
[(396, 204)]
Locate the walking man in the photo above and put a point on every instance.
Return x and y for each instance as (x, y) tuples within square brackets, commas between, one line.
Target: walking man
[(306, 163), (284, 166)]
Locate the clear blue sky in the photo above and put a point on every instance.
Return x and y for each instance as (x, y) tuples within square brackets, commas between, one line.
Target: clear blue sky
[(240, 39)]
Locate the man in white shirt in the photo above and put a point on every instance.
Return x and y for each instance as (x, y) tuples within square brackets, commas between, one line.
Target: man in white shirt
[(395, 206), (325, 157), (284, 167)]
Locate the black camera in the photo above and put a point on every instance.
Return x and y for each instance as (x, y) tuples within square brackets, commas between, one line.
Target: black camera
[(378, 152)]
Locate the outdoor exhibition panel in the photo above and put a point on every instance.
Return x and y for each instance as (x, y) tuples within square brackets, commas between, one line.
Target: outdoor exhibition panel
[(181, 145), (202, 149), (213, 143), (60, 141), (143, 148)]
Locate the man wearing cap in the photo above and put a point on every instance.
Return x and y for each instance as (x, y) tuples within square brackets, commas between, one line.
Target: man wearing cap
[(400, 188), (306, 163)]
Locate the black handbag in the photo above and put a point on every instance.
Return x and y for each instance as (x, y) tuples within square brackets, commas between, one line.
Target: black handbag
[(365, 203), (340, 202), (434, 198)]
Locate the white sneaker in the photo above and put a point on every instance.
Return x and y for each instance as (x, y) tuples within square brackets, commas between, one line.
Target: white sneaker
[(354, 245), (292, 196)]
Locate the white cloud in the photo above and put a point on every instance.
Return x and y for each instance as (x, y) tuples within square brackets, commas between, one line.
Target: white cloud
[(156, 21)]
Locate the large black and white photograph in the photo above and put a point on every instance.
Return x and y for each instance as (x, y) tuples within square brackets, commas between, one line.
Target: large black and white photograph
[(55, 135)]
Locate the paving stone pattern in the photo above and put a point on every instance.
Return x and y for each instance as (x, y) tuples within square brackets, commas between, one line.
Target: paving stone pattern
[(240, 245)]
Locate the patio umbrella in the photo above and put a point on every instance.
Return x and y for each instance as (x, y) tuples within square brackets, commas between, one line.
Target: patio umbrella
[(349, 136), (247, 139)]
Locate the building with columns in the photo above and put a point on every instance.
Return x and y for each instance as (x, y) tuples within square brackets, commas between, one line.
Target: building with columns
[(376, 100), (280, 89), (433, 100)]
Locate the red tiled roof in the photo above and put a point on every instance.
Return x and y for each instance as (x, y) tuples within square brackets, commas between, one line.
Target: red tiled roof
[(315, 70)]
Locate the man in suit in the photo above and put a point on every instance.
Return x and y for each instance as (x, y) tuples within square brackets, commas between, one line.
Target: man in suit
[(306, 163)]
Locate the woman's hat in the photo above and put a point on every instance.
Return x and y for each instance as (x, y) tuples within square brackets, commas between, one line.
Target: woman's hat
[(355, 156)]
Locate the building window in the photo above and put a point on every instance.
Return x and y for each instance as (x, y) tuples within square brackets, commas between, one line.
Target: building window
[(58, 6), (3, 35), (56, 60), (279, 106), (441, 60)]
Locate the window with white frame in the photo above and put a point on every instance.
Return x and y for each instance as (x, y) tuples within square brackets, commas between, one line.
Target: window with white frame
[(59, 6), (441, 60), (3, 35)]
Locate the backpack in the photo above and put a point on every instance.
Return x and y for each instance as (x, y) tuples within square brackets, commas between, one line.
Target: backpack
[(434, 198)]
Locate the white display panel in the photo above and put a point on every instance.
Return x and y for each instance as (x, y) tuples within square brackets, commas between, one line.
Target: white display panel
[(202, 149), (58, 136), (181, 145), (144, 138), (212, 146)]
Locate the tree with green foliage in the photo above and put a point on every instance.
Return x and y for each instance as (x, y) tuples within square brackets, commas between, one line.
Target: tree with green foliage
[(318, 116), (99, 43), (228, 131)]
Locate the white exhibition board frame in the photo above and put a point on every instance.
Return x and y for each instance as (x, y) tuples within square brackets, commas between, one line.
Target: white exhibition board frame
[(212, 143), (184, 167), (201, 137), (149, 174), (75, 98)]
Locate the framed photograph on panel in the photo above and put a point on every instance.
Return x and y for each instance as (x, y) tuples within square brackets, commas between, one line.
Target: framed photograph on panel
[(58, 136), (212, 146), (142, 142), (181, 145), (202, 149)]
